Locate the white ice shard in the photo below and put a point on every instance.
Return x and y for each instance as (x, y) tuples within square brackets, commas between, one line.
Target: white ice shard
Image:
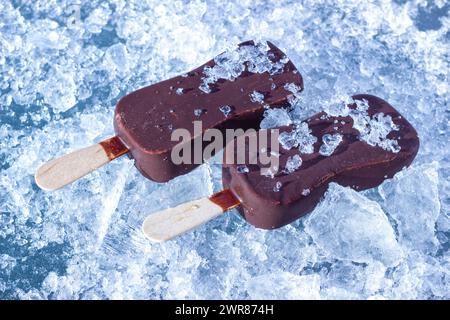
[(329, 143), (349, 226), (300, 136), (256, 96), (293, 163), (275, 117), (284, 285), (230, 64), (59, 89), (411, 198)]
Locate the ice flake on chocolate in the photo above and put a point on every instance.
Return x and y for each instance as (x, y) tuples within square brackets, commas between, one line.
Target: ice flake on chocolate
[(179, 91), (287, 139), (329, 143), (338, 106), (300, 137), (277, 186), (295, 90), (270, 172), (198, 112), (374, 130), (230, 64), (306, 192), (205, 88), (242, 168), (293, 163), (362, 105), (256, 96), (275, 117), (226, 110), (292, 87)]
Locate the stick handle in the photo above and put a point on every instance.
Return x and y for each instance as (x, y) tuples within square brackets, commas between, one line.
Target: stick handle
[(61, 171), (169, 223)]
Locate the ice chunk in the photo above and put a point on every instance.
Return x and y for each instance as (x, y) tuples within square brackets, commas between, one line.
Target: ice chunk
[(374, 130), (49, 38), (338, 106), (287, 139), (277, 186), (347, 280), (293, 99), (256, 96), (329, 143), (304, 138), (300, 137), (271, 171), (293, 163), (117, 57), (205, 88), (59, 89), (97, 19), (349, 226), (275, 117), (230, 64), (226, 110), (242, 168), (292, 87), (179, 91), (411, 198), (284, 285), (198, 112)]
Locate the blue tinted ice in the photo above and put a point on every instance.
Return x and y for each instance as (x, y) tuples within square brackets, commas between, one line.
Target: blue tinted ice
[(275, 117), (63, 68), (329, 143), (293, 163)]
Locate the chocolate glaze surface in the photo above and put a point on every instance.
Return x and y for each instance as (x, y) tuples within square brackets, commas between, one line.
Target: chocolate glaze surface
[(144, 119), (354, 163)]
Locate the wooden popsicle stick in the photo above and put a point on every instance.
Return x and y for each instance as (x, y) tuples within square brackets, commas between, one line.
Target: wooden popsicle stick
[(61, 171), (169, 223)]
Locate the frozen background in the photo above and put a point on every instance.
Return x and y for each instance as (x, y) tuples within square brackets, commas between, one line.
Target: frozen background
[(63, 68)]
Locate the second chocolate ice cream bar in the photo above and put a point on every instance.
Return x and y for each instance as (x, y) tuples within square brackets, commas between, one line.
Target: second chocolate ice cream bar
[(227, 92), (357, 145)]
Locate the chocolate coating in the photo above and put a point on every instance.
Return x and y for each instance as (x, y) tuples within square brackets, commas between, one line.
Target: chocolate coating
[(354, 163), (144, 119)]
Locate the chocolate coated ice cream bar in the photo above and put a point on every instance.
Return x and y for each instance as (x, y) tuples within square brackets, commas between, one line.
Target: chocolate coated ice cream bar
[(228, 92), (358, 146)]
